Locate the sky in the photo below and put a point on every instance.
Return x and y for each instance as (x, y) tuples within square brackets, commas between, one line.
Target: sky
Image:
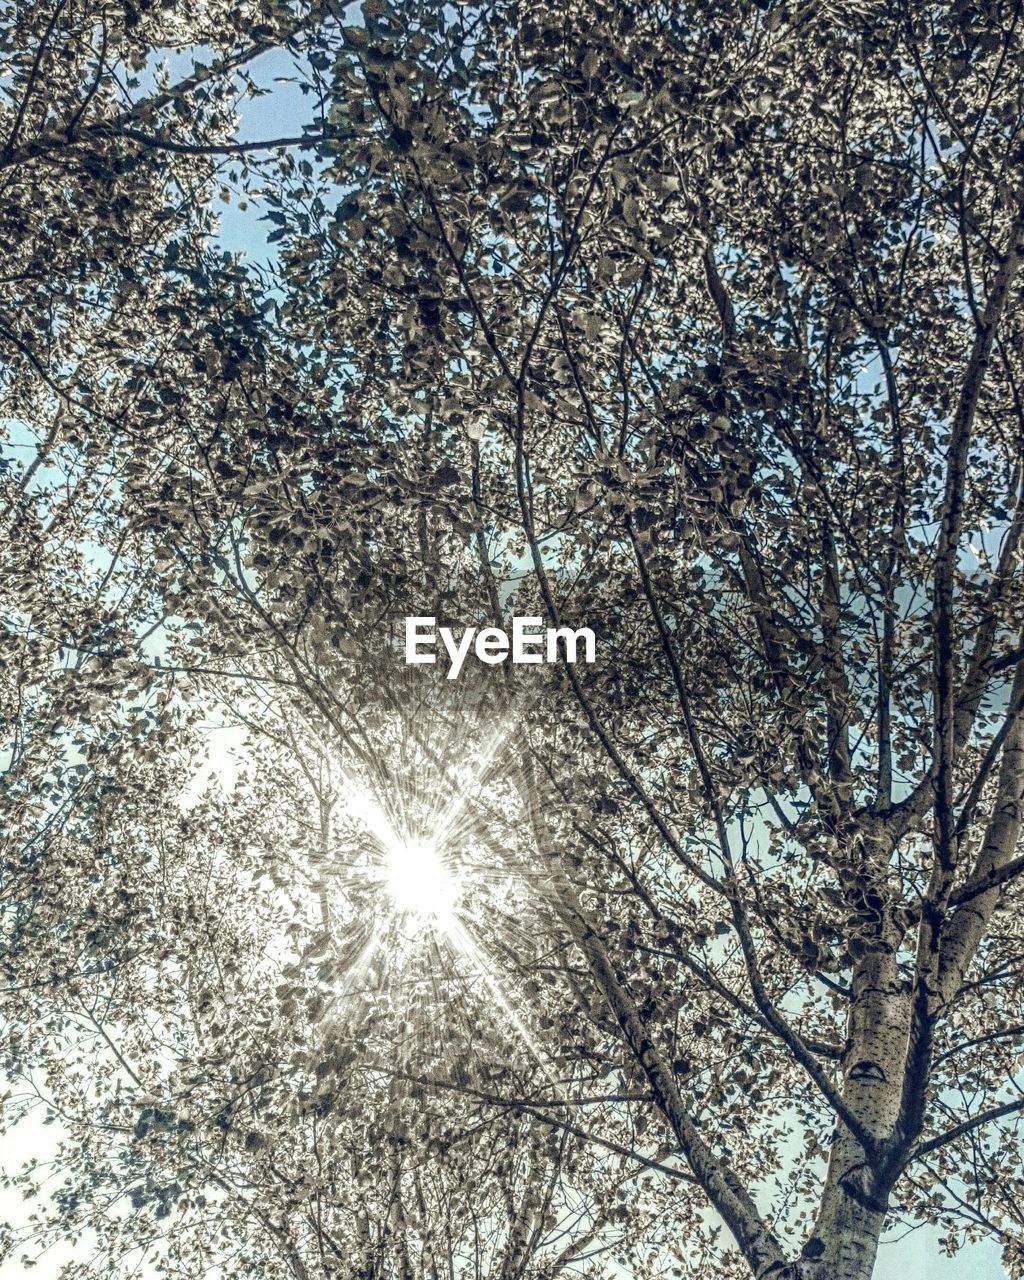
[(914, 1256)]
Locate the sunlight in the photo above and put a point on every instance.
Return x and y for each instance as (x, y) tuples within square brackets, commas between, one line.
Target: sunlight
[(428, 851), (420, 884)]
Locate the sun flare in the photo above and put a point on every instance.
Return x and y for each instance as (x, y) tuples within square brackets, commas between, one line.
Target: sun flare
[(419, 883), (433, 868)]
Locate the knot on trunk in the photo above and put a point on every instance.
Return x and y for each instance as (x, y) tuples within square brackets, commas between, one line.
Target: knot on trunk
[(813, 1248), (866, 1069), (859, 1184)]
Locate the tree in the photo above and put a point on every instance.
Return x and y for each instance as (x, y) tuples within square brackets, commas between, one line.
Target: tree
[(701, 326), (238, 1064)]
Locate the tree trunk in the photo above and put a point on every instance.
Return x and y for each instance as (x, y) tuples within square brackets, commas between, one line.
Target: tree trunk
[(847, 1232), (854, 1202)]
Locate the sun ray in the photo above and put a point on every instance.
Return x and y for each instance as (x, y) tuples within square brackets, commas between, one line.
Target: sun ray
[(358, 967), (421, 856), (467, 945)]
